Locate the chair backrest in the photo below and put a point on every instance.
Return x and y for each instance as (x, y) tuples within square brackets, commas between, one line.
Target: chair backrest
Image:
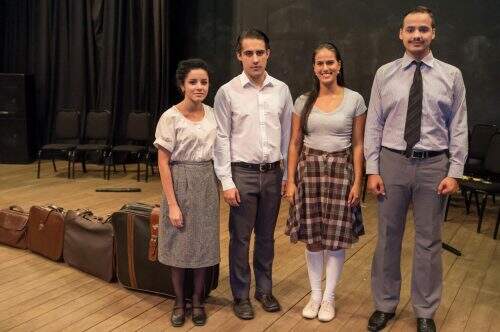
[(138, 127), (67, 125), (480, 138), (98, 126), (492, 160)]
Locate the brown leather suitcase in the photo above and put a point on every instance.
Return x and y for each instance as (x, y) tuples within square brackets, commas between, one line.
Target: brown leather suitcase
[(89, 244), (46, 231), (13, 227), (154, 221), (134, 269)]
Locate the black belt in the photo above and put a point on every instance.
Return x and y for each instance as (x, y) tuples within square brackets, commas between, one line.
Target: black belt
[(416, 154), (258, 167)]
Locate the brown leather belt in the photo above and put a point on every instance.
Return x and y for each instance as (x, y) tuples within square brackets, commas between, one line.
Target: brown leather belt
[(258, 167), (416, 154)]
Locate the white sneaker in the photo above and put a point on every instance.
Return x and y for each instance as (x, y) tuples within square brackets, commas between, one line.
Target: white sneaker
[(311, 309), (327, 311)]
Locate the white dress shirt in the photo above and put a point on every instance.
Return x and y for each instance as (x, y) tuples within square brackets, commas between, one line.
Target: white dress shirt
[(253, 124)]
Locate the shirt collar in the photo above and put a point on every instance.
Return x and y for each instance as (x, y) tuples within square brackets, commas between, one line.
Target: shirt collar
[(269, 80), (408, 59)]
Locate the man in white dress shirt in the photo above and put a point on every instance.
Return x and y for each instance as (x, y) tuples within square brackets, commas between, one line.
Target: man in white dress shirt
[(253, 114)]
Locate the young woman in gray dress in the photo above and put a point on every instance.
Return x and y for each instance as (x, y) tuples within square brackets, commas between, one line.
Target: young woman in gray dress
[(325, 168), (189, 226)]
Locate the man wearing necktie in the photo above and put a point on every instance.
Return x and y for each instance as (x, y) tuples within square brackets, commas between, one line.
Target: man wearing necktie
[(415, 149)]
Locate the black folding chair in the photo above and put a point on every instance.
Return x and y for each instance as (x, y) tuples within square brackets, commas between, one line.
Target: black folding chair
[(478, 147), (490, 186), (97, 138), (137, 136), (64, 136)]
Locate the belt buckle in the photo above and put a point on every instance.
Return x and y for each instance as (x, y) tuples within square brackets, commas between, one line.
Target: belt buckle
[(417, 154), (262, 168)]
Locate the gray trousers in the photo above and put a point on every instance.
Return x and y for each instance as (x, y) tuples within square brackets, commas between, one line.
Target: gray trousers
[(260, 195), (409, 181)]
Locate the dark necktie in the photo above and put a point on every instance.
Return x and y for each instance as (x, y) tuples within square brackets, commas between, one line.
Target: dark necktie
[(414, 112)]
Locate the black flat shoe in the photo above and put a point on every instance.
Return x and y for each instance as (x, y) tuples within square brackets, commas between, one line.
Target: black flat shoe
[(243, 309), (198, 316), (378, 320), (268, 301), (426, 325), (178, 316)]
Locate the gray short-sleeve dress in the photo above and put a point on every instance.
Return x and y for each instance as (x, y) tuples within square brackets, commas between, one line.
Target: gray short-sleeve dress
[(191, 146)]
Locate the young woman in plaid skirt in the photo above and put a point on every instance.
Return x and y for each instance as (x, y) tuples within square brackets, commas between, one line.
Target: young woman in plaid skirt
[(325, 166)]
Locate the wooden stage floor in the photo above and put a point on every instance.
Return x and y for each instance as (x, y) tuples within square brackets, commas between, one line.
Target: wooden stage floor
[(38, 294)]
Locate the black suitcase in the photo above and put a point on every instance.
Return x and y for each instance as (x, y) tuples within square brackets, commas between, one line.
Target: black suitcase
[(133, 268)]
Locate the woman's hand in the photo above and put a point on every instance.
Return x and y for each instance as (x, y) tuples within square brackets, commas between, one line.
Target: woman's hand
[(175, 216), (291, 188), (353, 199)]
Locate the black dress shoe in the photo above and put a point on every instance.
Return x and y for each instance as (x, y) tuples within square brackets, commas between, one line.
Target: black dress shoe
[(268, 301), (378, 320), (199, 317), (243, 309), (426, 325), (178, 316)]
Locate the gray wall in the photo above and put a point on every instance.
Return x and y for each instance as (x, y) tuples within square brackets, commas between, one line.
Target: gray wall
[(467, 36)]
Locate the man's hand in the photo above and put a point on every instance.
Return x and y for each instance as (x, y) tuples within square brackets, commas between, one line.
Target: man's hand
[(232, 197), (376, 184), (447, 186), (283, 187)]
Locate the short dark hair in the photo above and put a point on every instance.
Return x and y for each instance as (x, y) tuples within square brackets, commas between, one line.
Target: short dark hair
[(252, 34), (184, 68), (422, 10)]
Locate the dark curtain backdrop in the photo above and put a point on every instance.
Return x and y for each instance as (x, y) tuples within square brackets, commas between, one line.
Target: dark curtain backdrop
[(93, 54)]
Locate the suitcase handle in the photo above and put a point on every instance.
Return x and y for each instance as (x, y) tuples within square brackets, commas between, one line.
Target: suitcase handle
[(16, 208), (90, 217)]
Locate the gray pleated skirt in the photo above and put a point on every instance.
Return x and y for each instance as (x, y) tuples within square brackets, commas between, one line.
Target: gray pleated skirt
[(196, 244)]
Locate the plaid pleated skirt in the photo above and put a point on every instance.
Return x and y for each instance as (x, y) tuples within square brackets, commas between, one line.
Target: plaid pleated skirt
[(320, 213)]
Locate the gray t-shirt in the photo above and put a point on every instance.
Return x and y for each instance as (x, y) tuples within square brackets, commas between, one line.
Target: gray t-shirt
[(331, 131)]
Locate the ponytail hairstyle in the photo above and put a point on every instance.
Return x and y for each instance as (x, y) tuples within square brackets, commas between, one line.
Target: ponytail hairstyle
[(313, 94)]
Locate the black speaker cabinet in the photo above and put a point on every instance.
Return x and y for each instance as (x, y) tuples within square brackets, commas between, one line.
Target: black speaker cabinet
[(16, 118)]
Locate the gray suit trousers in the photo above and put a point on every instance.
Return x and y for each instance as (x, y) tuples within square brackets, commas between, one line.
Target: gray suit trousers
[(408, 181), (260, 195)]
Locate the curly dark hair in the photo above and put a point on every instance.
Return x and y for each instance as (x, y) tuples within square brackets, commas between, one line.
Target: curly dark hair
[(184, 68)]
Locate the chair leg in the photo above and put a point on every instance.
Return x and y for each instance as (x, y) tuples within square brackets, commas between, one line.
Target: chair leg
[(69, 164), (138, 167), (495, 233), (54, 165), (104, 168), (481, 212), (147, 167), (467, 199), (478, 208), (73, 158), (39, 162), (448, 200), (124, 169), (84, 166)]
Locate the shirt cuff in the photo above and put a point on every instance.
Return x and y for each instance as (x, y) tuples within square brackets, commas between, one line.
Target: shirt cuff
[(372, 167), (227, 183), (164, 144), (456, 171)]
